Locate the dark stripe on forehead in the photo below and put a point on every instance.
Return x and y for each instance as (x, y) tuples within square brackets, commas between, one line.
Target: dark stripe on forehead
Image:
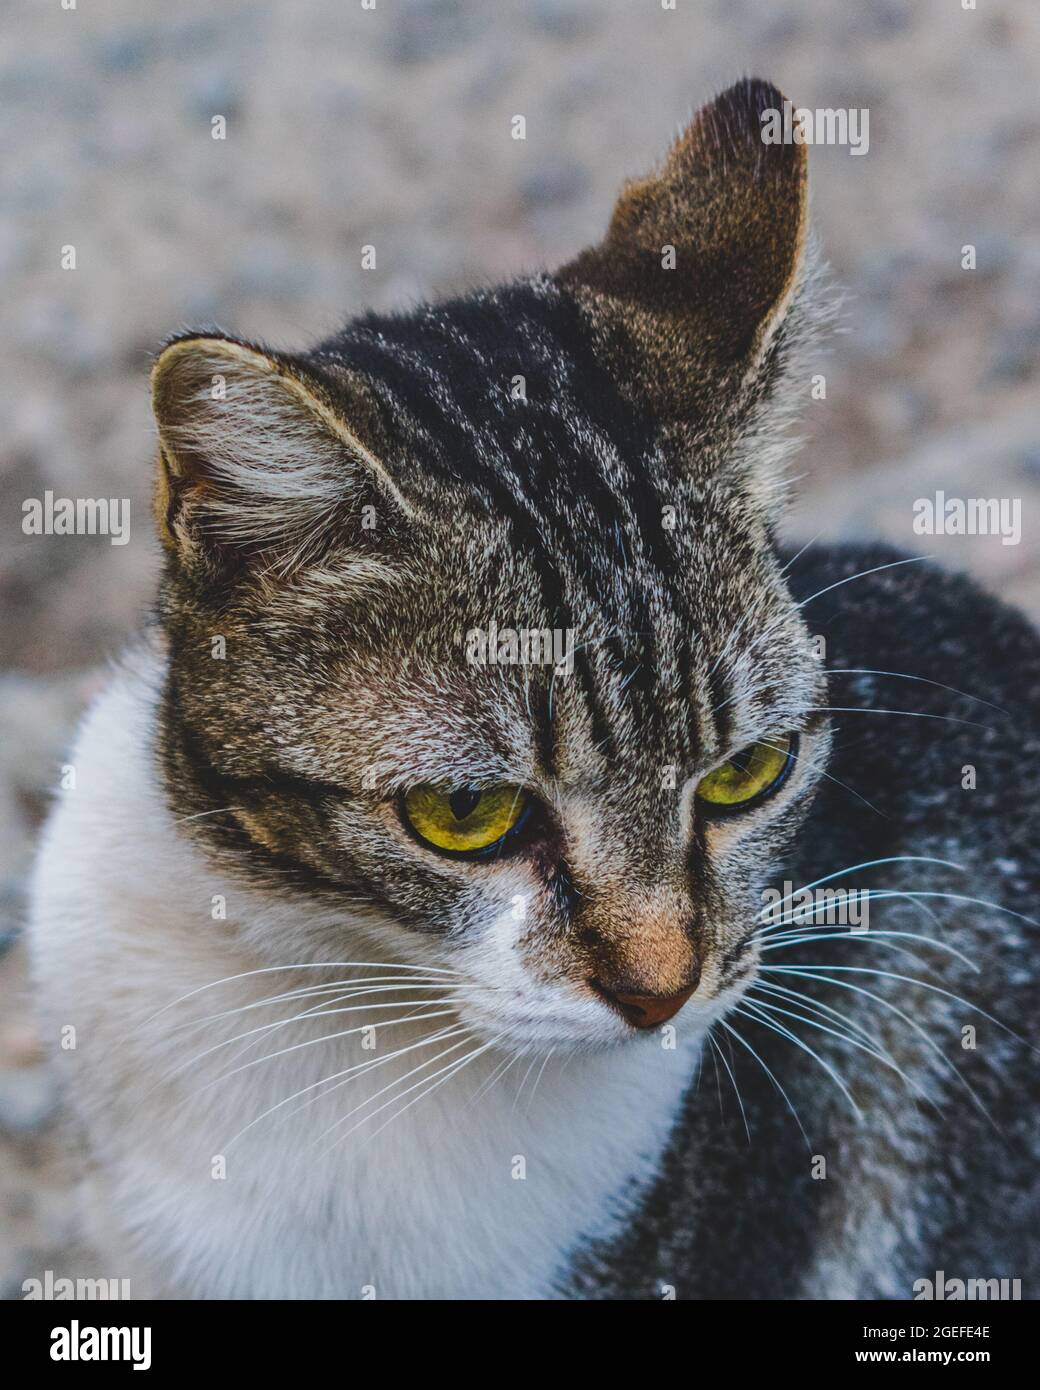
[(597, 436), (455, 461), (684, 669), (601, 727), (570, 470), (722, 712), (642, 545), (538, 702), (532, 533), (436, 367)]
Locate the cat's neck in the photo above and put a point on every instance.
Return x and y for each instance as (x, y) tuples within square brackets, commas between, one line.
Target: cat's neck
[(313, 1157)]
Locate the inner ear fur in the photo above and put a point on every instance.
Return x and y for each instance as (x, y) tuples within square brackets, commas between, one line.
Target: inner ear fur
[(255, 457)]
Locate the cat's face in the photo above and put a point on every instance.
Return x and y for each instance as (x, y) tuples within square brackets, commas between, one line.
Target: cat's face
[(509, 669)]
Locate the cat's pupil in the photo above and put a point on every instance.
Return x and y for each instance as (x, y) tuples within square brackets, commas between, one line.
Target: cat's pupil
[(463, 802)]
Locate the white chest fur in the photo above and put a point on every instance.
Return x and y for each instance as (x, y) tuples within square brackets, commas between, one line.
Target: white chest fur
[(468, 1192)]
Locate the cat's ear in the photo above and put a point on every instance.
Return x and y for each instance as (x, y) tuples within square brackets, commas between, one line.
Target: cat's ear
[(702, 259), (257, 463)]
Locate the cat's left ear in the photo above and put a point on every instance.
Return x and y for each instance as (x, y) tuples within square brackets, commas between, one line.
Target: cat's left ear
[(688, 291), (261, 462)]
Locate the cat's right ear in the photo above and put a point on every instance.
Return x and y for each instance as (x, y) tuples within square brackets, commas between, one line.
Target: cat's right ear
[(689, 290), (259, 465)]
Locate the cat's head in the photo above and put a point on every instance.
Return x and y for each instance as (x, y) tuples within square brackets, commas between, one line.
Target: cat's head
[(477, 632)]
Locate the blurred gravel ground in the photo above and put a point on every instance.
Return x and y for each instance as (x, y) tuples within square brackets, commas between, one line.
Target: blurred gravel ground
[(391, 127)]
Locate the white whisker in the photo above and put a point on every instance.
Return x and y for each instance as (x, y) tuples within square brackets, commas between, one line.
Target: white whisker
[(312, 1042), (359, 1069), (729, 1027), (452, 1069), (804, 1046), (854, 868), (733, 1079), (378, 984), (944, 1061), (394, 1099), (304, 965)]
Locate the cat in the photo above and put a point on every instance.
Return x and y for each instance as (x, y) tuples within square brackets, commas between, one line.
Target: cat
[(386, 954)]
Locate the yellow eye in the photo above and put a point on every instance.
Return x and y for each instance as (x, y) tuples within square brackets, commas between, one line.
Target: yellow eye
[(749, 775), (465, 821)]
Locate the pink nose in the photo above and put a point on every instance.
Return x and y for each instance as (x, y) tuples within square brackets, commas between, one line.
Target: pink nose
[(645, 1010)]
